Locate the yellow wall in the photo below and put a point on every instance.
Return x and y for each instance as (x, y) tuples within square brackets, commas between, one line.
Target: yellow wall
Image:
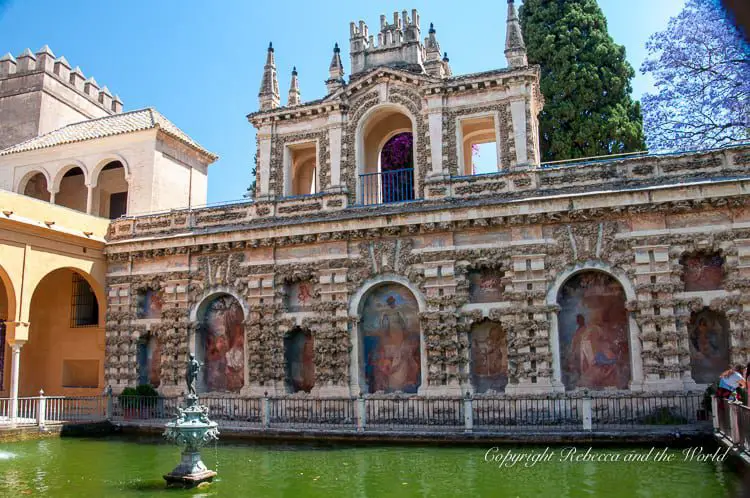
[(52, 341), (30, 249)]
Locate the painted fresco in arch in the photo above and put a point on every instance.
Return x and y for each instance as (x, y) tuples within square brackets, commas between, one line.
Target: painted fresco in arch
[(299, 352), (149, 304), (222, 346), (593, 330), (702, 272), (149, 361), (709, 345), (485, 286), (390, 335), (299, 296), (489, 357)]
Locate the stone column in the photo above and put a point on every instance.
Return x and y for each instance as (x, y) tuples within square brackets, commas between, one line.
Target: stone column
[(518, 115), (15, 367), (52, 196), (89, 198), (264, 162), (335, 143), (435, 122)]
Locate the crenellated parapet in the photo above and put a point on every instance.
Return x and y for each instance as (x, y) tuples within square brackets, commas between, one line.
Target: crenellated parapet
[(44, 62), (398, 44)]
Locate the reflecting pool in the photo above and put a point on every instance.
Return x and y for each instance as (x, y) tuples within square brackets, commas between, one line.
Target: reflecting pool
[(125, 467)]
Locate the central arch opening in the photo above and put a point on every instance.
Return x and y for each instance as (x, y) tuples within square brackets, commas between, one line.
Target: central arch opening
[(390, 337), (387, 157), (220, 345)]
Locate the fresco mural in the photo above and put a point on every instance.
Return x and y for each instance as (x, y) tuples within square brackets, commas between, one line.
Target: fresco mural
[(390, 335), (222, 346), (485, 286), (149, 361), (149, 304), (702, 272), (709, 345), (299, 296), (299, 353), (489, 357), (593, 329)]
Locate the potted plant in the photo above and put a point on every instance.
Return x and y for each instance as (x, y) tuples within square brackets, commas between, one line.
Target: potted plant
[(147, 398), (128, 402), (139, 402)]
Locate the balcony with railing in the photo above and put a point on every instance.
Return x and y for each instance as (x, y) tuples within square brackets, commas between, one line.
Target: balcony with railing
[(386, 187)]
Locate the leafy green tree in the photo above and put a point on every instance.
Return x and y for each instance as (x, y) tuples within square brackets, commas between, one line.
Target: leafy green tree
[(585, 81), (250, 192)]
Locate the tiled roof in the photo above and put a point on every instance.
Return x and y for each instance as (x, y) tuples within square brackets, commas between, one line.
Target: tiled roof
[(117, 124)]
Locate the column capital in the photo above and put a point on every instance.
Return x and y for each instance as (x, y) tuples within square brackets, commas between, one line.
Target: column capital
[(16, 344), (17, 332)]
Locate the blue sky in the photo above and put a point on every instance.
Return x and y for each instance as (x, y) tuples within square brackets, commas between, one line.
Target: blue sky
[(200, 63)]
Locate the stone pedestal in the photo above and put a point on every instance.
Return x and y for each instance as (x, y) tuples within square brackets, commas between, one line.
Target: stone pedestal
[(190, 472)]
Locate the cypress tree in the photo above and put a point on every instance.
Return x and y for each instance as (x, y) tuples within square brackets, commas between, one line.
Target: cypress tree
[(585, 81)]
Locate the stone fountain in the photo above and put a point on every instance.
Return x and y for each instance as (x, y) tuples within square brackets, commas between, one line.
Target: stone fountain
[(192, 430)]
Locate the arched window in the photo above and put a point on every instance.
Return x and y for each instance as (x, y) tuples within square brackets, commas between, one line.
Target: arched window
[(593, 332), (386, 156)]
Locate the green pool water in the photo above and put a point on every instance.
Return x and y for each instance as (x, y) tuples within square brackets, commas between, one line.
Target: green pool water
[(116, 467)]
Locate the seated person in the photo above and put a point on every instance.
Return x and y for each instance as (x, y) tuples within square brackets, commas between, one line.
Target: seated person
[(730, 381)]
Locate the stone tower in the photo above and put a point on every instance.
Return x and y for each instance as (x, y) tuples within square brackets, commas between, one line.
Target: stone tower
[(39, 93)]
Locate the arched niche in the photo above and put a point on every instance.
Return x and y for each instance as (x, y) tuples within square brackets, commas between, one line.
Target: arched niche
[(220, 344), (593, 332), (708, 332), (702, 271), (390, 339), (299, 360), (149, 360), (488, 344)]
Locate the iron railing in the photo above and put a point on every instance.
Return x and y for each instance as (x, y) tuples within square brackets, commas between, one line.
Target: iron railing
[(388, 413), (732, 425), (387, 186)]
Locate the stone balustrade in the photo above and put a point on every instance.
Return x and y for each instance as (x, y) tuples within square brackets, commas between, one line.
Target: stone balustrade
[(632, 173)]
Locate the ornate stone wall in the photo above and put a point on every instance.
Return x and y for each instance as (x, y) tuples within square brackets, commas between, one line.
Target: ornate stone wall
[(531, 253)]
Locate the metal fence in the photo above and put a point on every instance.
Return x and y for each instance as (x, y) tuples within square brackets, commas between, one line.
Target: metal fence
[(732, 425), (387, 186), (385, 412)]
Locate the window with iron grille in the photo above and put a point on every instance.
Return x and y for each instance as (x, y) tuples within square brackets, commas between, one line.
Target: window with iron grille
[(84, 309)]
